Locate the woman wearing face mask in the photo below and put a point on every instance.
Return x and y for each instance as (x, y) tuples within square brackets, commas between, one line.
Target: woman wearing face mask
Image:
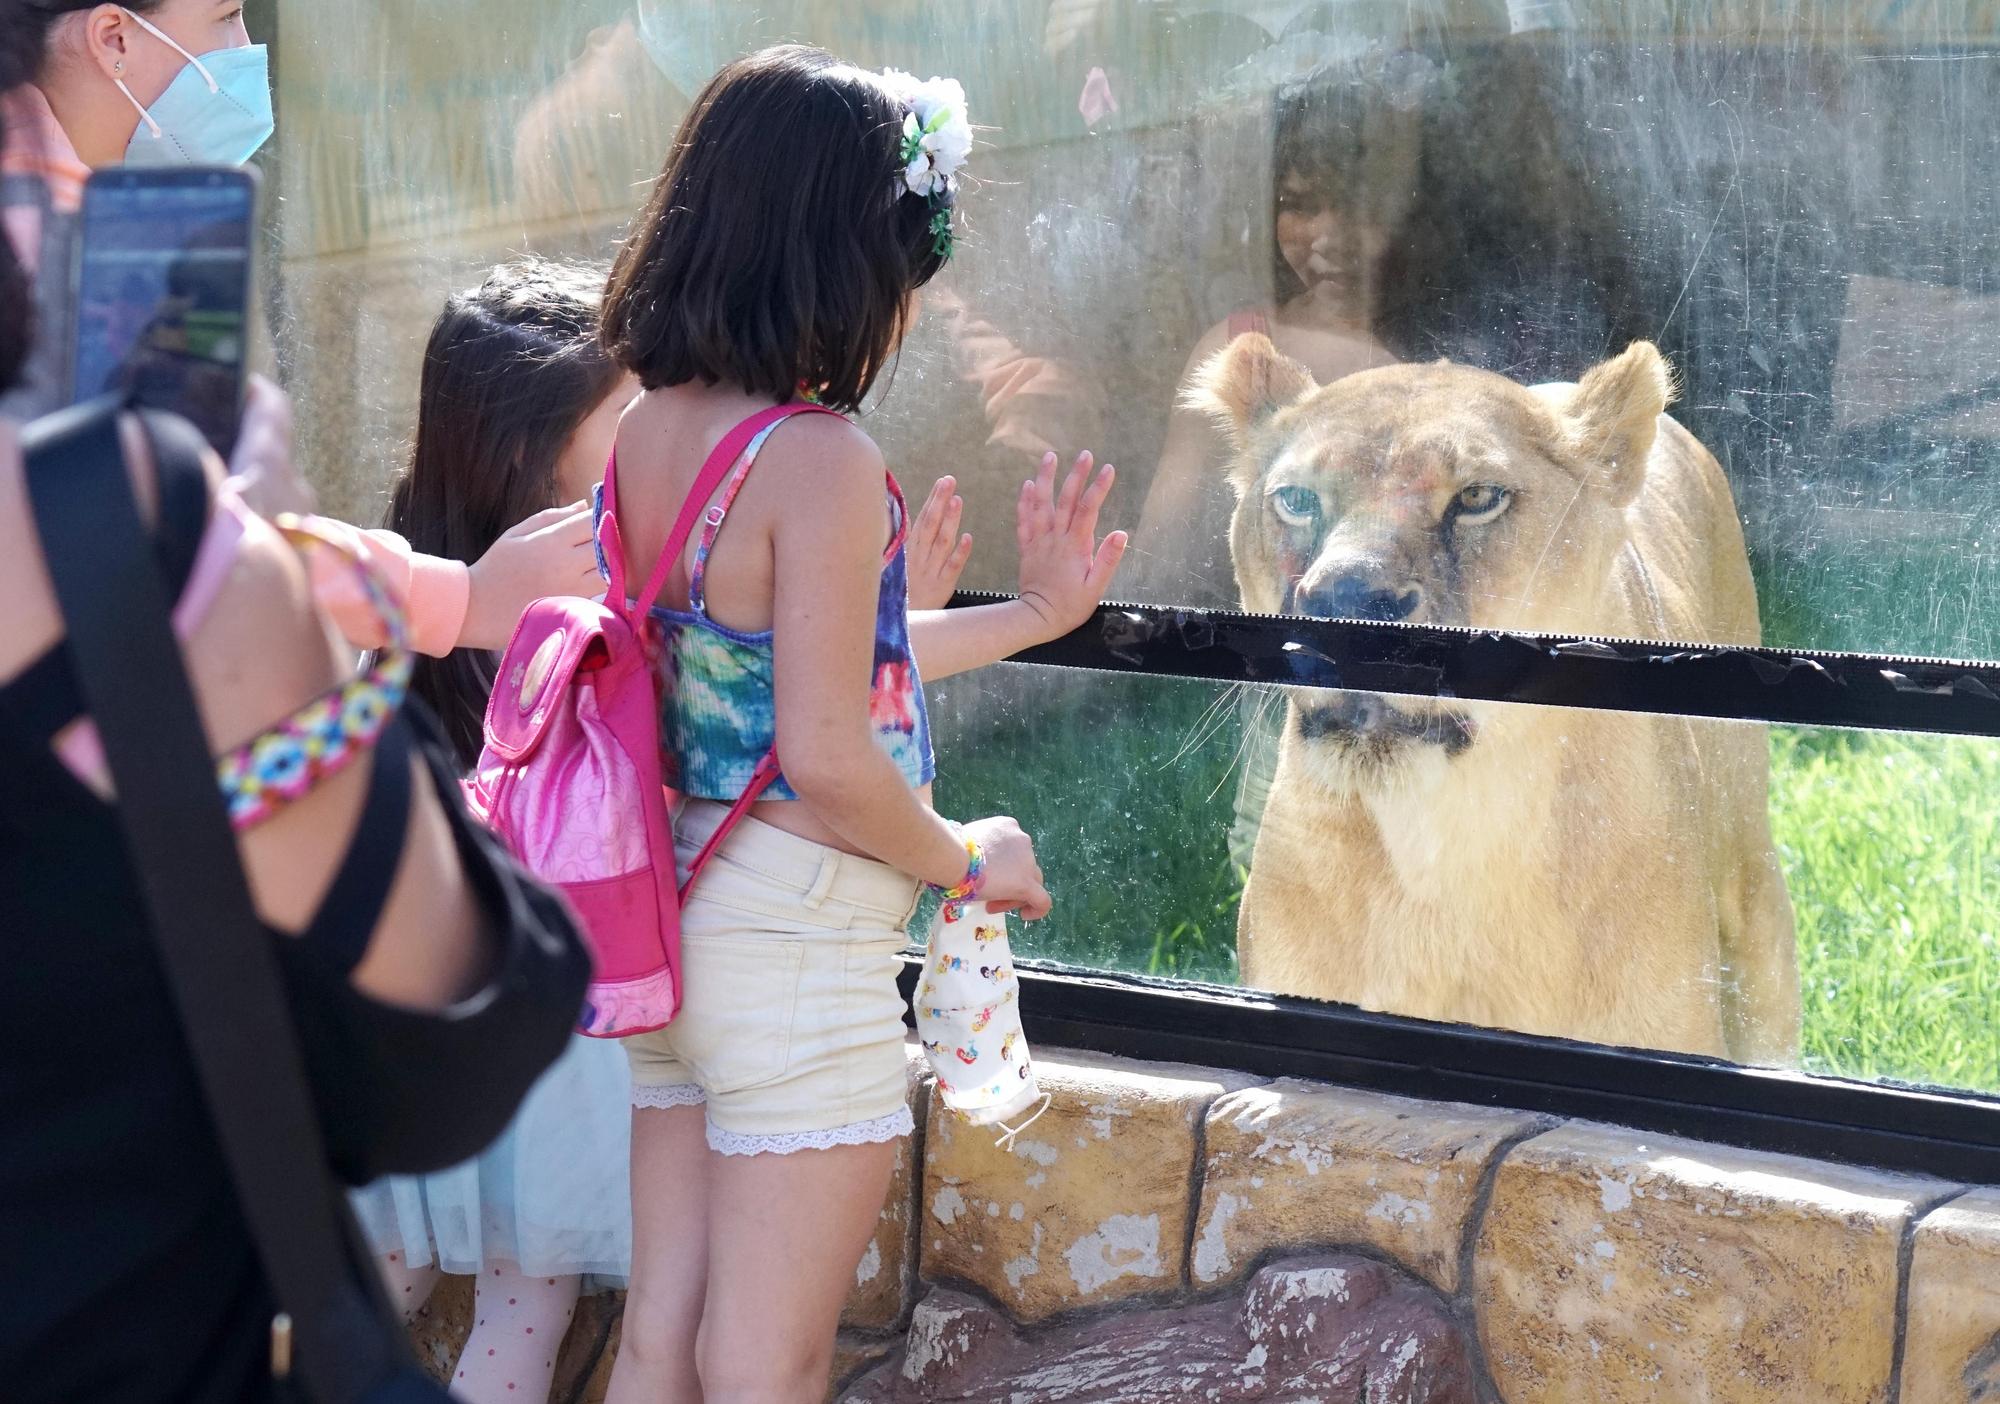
[(178, 82), (429, 982), (159, 82)]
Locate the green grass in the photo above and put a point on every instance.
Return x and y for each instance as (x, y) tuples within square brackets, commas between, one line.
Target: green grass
[(1930, 600), (1890, 845), (1132, 833)]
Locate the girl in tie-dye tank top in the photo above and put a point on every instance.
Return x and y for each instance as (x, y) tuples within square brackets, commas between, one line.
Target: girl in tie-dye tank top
[(804, 204)]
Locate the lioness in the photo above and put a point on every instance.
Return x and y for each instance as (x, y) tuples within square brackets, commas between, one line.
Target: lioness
[(1596, 875)]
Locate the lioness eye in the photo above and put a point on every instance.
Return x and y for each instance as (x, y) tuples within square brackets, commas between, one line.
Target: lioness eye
[(1481, 502), (1296, 505)]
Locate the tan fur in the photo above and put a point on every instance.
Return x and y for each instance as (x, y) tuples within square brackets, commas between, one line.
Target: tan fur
[(1596, 875)]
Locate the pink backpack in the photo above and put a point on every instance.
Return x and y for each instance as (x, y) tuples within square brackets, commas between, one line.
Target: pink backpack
[(570, 774)]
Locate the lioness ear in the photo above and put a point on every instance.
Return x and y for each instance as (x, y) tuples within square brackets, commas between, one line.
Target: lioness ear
[(1244, 382), (1614, 414)]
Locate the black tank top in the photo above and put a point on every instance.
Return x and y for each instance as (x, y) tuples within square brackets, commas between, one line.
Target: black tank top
[(130, 1274)]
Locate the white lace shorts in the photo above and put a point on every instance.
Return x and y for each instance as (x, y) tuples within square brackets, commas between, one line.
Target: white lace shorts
[(791, 1026)]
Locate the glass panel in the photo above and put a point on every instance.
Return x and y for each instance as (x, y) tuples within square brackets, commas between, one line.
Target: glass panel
[(1789, 199), (1597, 875), (1792, 200)]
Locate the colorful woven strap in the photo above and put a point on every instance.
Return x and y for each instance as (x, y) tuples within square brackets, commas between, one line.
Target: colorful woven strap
[(325, 736)]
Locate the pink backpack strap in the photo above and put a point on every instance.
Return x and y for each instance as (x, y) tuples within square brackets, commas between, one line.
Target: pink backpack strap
[(767, 769), (760, 781), (713, 471)]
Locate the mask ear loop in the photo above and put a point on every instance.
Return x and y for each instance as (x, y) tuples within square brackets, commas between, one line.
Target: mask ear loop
[(168, 40), (140, 108), (1006, 1142)]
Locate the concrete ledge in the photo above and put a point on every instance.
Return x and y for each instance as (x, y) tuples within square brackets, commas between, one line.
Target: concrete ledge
[(1158, 1209)]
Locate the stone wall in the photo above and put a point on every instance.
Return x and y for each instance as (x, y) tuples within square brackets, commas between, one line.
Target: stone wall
[(1177, 1233)]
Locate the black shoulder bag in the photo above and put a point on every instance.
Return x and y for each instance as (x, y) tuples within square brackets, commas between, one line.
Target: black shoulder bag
[(216, 953)]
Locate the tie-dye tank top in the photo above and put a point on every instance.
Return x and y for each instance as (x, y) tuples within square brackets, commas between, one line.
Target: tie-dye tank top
[(719, 716)]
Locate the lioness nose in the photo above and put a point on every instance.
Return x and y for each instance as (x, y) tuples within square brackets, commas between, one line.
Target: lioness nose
[(1358, 597)]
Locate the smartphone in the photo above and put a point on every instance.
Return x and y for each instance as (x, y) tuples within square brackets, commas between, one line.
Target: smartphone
[(161, 292)]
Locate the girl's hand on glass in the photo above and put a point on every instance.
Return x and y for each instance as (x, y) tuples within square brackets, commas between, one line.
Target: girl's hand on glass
[(936, 550), (1013, 879), (1065, 569), (554, 552)]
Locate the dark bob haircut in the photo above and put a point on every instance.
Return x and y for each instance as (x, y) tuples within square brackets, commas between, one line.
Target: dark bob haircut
[(777, 249)]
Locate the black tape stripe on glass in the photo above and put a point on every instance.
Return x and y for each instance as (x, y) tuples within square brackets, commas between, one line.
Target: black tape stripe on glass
[(1797, 687)]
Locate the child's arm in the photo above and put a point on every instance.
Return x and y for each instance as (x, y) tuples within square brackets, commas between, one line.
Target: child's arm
[(449, 604), (265, 478), (827, 574), (434, 590), (1065, 571), (554, 552), (453, 605)]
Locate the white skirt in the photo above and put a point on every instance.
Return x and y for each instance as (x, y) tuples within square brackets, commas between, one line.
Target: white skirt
[(552, 1194)]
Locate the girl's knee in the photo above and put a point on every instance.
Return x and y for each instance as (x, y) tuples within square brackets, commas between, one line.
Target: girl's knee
[(659, 1328), (738, 1370)]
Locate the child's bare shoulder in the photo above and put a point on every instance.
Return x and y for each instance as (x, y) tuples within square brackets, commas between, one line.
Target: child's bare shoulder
[(825, 450)]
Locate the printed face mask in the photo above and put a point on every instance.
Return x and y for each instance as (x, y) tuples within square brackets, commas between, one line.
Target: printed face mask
[(216, 112), (968, 1009)]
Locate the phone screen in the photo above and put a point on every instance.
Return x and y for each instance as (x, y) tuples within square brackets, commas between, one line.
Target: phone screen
[(163, 290)]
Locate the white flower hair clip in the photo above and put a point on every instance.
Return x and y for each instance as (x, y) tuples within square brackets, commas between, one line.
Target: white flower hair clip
[(937, 137)]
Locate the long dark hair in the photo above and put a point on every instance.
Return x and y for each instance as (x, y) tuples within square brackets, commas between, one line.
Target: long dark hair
[(24, 31), (511, 370), (775, 249)]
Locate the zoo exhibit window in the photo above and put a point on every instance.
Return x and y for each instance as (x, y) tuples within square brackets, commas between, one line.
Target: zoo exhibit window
[(1225, 243), (1645, 867)]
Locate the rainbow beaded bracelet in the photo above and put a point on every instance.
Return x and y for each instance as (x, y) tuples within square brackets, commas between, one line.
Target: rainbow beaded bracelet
[(968, 887)]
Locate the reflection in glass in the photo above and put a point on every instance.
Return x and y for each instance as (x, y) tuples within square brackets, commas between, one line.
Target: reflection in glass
[(1793, 202)]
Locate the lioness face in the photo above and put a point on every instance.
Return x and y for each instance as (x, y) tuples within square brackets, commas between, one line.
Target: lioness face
[(1430, 494)]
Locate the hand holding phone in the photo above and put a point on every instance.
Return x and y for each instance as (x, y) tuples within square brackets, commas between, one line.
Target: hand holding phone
[(161, 282)]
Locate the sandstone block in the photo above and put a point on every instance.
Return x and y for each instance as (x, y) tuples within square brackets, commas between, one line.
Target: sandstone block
[(439, 1329), (1619, 1267), (1303, 1163), (1951, 1351), (852, 1355), (1090, 1205)]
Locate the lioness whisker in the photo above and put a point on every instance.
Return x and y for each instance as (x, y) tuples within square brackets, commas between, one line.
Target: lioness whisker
[(1211, 720)]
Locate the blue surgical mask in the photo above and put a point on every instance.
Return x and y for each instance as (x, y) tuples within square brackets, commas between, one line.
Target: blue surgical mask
[(216, 112)]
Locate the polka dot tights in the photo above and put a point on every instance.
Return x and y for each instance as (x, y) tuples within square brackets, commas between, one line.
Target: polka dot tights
[(518, 1324)]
